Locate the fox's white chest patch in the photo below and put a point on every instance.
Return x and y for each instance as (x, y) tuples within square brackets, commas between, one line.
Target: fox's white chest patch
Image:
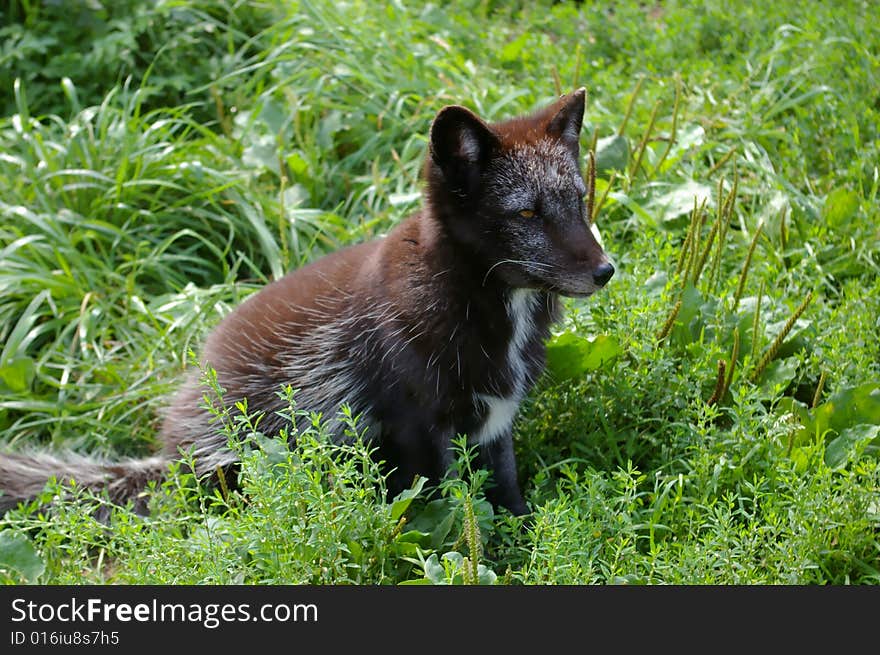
[(500, 410)]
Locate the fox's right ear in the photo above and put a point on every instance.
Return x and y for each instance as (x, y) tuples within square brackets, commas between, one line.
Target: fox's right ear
[(566, 124), (460, 142)]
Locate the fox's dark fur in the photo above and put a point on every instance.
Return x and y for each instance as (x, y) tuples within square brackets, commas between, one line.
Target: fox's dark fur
[(435, 330)]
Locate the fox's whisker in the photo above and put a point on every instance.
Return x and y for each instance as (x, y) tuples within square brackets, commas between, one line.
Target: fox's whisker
[(524, 262)]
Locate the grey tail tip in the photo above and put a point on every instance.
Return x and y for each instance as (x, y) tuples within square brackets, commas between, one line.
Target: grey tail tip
[(23, 476)]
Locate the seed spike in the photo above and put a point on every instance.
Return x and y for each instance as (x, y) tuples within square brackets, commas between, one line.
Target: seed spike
[(591, 186), (723, 225), (756, 323), (780, 338), (818, 395), (745, 269), (670, 321), (722, 161), (696, 225), (706, 249), (640, 150), (472, 537), (719, 384), (783, 237), (556, 81), (734, 356)]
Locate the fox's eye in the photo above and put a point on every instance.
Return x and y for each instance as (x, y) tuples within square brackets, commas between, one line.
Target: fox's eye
[(527, 213)]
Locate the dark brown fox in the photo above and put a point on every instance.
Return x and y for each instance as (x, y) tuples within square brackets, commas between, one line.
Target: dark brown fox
[(435, 330)]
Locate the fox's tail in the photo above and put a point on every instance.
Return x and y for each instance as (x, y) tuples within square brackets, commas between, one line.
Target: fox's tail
[(24, 475)]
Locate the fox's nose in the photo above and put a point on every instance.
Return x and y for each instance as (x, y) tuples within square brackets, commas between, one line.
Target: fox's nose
[(602, 274)]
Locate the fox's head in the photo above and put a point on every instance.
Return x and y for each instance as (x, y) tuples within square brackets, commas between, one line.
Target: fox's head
[(514, 194)]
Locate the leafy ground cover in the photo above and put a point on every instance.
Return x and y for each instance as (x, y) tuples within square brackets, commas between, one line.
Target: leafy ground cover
[(713, 416)]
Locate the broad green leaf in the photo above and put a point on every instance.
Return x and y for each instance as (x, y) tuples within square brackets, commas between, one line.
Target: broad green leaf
[(454, 558), (691, 317), (845, 409), (632, 205), (296, 163), (276, 450), (275, 116), (778, 375), (848, 408), (295, 195), (800, 456), (434, 570), (414, 537), (677, 201), (485, 575), (839, 449), (570, 356), (356, 550), (655, 284), (331, 124), (404, 498), (612, 154), (798, 410), (840, 207), (18, 553), (262, 152), (798, 338), (405, 548), (436, 519), (513, 50), (441, 530), (686, 138), (17, 374), (774, 205)]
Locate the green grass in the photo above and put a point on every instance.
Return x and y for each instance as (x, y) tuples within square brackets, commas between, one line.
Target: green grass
[(202, 148)]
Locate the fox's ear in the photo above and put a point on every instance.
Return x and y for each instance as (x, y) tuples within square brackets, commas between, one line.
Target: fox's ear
[(460, 142), (566, 123)]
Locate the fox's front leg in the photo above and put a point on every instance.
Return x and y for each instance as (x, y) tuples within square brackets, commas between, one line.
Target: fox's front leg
[(423, 451), (497, 456)]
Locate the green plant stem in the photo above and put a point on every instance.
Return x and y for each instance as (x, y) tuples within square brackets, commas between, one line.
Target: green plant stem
[(603, 197), (673, 130), (640, 150), (629, 106)]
